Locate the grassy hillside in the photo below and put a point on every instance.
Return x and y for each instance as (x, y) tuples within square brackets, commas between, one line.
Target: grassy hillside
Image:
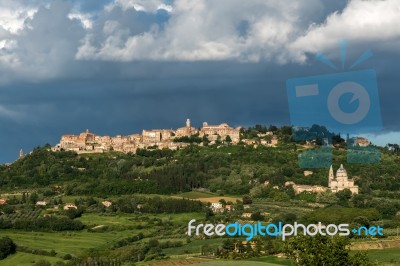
[(154, 194)]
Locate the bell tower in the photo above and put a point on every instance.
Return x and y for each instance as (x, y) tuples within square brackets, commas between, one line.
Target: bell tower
[(331, 175)]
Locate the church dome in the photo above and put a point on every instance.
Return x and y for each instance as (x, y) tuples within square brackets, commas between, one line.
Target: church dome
[(341, 170)]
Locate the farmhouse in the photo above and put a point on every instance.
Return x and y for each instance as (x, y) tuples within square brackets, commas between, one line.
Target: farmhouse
[(106, 203), (70, 206), (3, 201), (41, 203)]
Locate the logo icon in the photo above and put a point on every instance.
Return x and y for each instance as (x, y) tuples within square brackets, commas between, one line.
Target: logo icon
[(345, 103), (359, 93)]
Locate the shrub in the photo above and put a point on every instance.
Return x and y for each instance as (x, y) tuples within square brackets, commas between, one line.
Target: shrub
[(67, 257), (7, 247)]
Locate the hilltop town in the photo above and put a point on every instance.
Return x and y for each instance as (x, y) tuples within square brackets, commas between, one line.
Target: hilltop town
[(87, 142)]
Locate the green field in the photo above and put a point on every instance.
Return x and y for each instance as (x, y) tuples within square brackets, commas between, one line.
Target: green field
[(196, 195), (268, 261), (389, 256), (236, 263), (79, 242), (131, 219), (65, 242), (26, 259), (126, 225), (273, 259), (194, 247)]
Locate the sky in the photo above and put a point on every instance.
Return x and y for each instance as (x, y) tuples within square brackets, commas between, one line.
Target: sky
[(120, 66)]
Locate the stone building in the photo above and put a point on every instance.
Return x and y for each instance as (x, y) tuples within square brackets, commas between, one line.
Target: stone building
[(69, 206), (335, 183), (87, 142), (221, 130), (76, 142), (305, 188), (185, 131), (3, 201), (21, 154), (358, 142), (341, 181), (151, 137)]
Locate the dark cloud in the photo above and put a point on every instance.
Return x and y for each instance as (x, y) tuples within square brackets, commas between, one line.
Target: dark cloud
[(47, 92), (237, 93)]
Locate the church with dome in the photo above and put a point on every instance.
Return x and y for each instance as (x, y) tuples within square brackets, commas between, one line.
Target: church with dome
[(341, 181)]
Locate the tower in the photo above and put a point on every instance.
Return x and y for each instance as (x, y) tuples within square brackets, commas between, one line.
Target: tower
[(188, 123), (21, 153), (330, 176)]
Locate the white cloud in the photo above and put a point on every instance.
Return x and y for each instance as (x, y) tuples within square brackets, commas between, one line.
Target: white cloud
[(39, 42), (85, 19), (276, 31), (140, 5), (12, 19), (43, 47), (360, 22), (207, 30)]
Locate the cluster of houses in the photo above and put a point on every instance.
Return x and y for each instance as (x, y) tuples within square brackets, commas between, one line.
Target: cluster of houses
[(67, 206), (87, 142), (218, 207)]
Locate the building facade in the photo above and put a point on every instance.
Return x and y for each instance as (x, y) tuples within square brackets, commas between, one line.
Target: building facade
[(335, 183), (341, 181), (87, 142), (222, 130)]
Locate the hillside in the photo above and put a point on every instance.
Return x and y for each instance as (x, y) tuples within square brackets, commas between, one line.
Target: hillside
[(154, 193)]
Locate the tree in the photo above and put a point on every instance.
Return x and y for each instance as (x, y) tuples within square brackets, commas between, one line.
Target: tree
[(288, 171), (326, 197), (209, 214), (228, 139), (323, 250), (205, 140), (73, 213), (257, 191), (23, 200), (228, 244), (67, 257), (344, 196), (8, 209), (42, 262), (153, 243), (290, 192), (257, 216), (247, 199), (7, 247), (223, 202), (33, 198), (269, 247), (362, 221)]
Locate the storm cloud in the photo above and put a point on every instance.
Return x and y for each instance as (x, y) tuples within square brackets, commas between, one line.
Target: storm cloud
[(116, 67)]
